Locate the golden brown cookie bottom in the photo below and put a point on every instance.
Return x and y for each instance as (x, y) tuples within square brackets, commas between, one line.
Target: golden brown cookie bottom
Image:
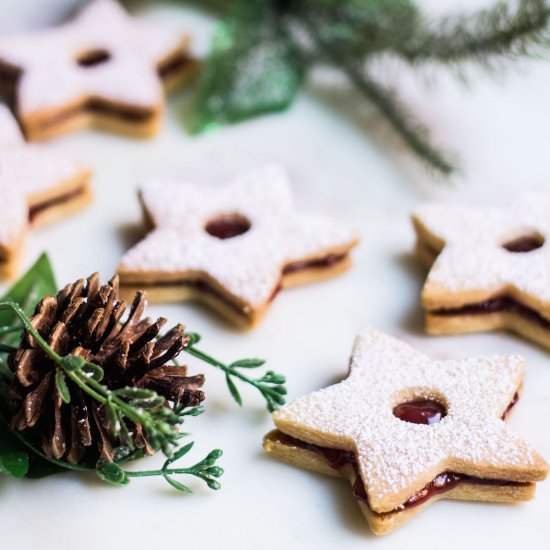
[(200, 288), (282, 447)]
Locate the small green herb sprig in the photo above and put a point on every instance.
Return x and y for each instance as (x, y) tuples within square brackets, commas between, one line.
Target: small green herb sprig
[(20, 457), (270, 385)]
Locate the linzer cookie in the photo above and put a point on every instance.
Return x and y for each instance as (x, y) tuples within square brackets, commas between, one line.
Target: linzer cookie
[(232, 247), (489, 267), (37, 185), (104, 69), (407, 431)]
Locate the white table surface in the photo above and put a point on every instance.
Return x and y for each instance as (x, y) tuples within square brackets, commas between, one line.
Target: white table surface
[(343, 159)]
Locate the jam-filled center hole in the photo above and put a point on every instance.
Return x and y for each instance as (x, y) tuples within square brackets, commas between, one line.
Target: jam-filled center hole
[(92, 58), (227, 226), (420, 411), (525, 243)]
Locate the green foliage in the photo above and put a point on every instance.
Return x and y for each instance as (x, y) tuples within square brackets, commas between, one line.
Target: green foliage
[(361, 27), (263, 48), (14, 461), (140, 406), (27, 291), (253, 67), (112, 473), (270, 385), (62, 387), (502, 32), (19, 456), (37, 282)]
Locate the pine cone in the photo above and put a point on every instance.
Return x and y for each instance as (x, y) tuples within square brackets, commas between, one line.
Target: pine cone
[(84, 319)]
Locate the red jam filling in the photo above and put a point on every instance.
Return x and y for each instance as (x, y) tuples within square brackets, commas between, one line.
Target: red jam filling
[(494, 305), (524, 244), (227, 226), (444, 482), (328, 261), (420, 411), (515, 399), (37, 209), (501, 303), (92, 58), (173, 65)]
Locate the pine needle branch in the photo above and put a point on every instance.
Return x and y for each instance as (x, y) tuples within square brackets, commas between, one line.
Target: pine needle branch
[(500, 31), (413, 133), (415, 136)]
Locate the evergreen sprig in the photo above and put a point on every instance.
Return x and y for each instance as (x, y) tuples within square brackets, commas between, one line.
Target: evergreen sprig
[(142, 407), (19, 456), (263, 49), (270, 385), (503, 32)]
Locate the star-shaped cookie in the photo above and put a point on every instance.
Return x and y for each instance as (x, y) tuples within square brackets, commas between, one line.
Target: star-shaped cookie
[(103, 69), (489, 267), (406, 431), (37, 184), (233, 246)]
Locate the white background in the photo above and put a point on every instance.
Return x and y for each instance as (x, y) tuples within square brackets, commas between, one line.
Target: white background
[(343, 160)]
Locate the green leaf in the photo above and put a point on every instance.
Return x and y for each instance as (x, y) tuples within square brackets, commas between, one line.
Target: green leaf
[(180, 452), (214, 471), (149, 403), (124, 435), (194, 338), (134, 393), (233, 389), (14, 461), (253, 67), (273, 378), (112, 473), (177, 485), (278, 398), (71, 363), (194, 411), (214, 455), (61, 384), (37, 282), (247, 363), (93, 370), (112, 417), (213, 484), (37, 467)]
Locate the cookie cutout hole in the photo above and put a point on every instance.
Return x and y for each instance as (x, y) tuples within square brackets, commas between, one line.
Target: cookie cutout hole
[(92, 58), (525, 243), (420, 411), (227, 226)]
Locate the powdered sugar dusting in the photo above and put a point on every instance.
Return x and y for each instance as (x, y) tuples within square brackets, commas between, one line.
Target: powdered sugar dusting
[(249, 265), (25, 170), (393, 454), (473, 257), (52, 78)]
